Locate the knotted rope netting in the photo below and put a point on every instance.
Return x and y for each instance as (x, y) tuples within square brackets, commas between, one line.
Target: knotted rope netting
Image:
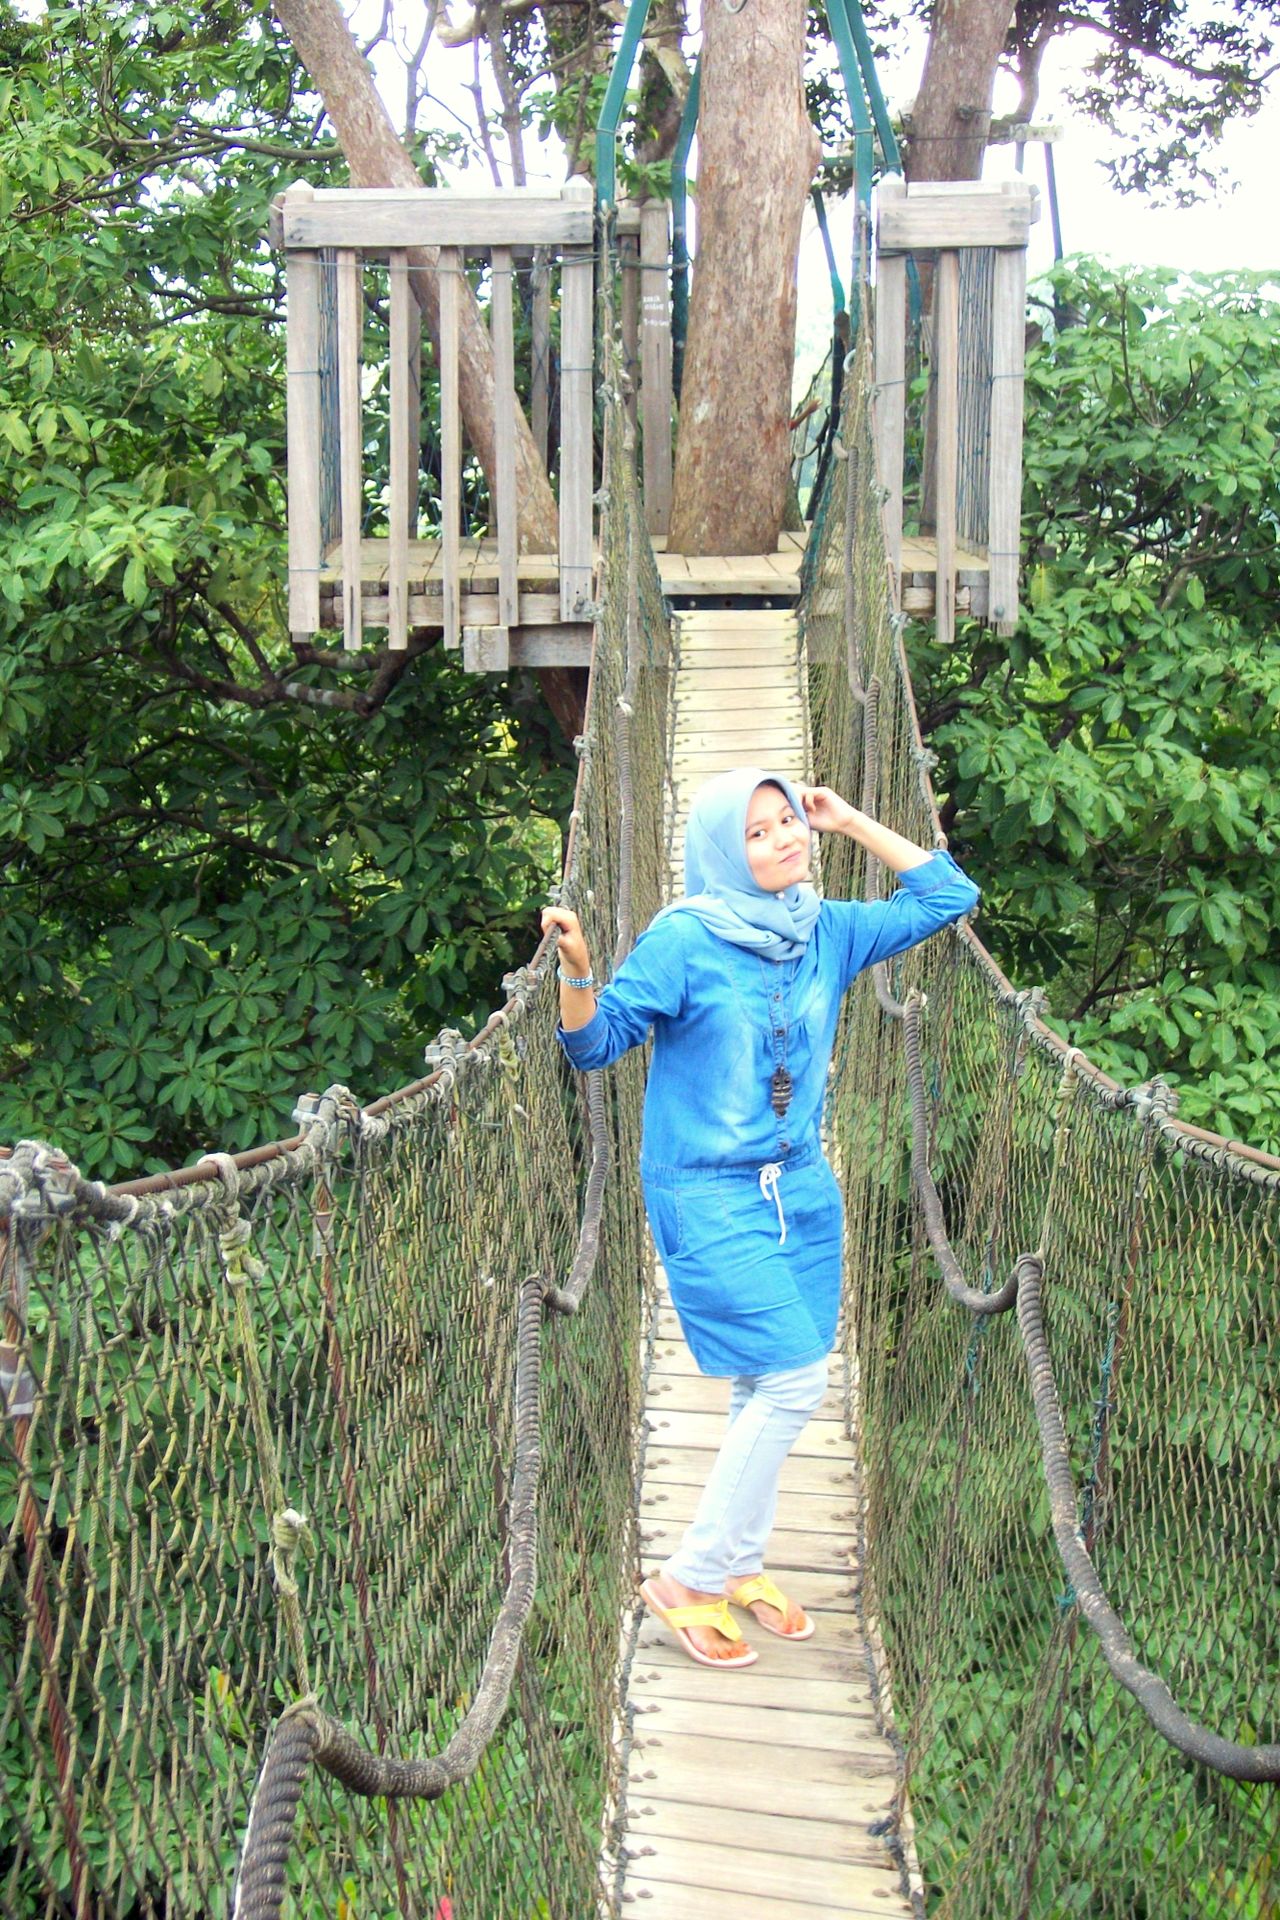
[(1062, 1330), (311, 1451)]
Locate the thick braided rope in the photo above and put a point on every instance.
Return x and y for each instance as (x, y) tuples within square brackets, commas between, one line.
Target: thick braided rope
[(305, 1735)]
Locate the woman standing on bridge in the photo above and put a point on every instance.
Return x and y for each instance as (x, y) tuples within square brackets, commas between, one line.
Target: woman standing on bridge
[(741, 983)]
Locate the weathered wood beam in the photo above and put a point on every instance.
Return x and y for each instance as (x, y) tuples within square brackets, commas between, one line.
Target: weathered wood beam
[(376, 217), (932, 214)]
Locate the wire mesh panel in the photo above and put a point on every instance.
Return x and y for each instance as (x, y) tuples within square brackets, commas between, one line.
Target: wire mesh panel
[(261, 1429), (1037, 1785), (973, 468)]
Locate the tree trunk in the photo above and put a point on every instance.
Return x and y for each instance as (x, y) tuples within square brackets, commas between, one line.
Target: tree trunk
[(376, 158), (757, 153), (952, 114)]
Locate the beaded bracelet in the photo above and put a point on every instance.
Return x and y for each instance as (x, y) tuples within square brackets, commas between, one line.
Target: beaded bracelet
[(581, 981)]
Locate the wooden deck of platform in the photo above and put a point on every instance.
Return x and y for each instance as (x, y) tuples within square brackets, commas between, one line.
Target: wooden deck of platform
[(716, 577), (752, 1795)]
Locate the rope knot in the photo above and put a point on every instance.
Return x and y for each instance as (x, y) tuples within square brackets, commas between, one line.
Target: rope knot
[(133, 1207), (238, 1264), (520, 986), (227, 1171), (1155, 1101), (57, 1179), (40, 1185), (290, 1530), (43, 1184), (447, 1056), (340, 1108)]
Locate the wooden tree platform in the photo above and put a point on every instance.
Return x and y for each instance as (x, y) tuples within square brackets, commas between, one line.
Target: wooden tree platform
[(754, 1794), (541, 638)]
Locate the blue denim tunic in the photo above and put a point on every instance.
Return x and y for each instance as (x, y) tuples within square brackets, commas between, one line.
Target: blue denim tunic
[(750, 1301)]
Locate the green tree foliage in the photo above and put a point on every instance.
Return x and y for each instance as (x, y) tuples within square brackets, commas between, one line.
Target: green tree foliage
[(229, 869), (1118, 762)]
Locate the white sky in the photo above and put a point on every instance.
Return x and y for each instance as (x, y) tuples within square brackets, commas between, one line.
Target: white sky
[(1237, 228)]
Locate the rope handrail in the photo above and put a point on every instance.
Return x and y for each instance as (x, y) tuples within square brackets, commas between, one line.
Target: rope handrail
[(1023, 1290), (306, 1736)]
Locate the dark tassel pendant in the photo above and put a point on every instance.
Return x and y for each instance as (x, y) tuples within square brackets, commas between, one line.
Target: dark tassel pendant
[(780, 1091)]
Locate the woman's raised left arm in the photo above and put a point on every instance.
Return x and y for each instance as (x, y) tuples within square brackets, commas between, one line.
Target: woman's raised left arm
[(826, 812), (933, 893)]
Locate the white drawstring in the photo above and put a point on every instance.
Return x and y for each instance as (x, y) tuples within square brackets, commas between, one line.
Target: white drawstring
[(769, 1178)]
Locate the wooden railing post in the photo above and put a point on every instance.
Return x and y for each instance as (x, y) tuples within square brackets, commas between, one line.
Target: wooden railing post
[(450, 270), (576, 438), (302, 414), (946, 348), (505, 504), (1004, 508), (890, 403), (540, 369), (404, 402), (655, 362), (351, 433), (629, 303)]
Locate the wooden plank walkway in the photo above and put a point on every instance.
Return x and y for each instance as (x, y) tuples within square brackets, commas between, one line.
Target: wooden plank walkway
[(751, 1795)]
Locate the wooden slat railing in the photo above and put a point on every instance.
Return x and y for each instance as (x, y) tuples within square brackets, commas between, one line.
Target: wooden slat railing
[(984, 338), (336, 236)]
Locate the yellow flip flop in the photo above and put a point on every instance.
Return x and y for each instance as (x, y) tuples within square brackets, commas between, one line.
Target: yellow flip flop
[(761, 1587), (707, 1613)]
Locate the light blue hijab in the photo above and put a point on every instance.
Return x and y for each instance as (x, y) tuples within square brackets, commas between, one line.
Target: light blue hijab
[(719, 886)]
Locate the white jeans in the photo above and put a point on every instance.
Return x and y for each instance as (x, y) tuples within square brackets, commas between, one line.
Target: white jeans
[(767, 1414)]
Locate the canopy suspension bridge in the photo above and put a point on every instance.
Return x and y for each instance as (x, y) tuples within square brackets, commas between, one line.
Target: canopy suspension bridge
[(326, 1465)]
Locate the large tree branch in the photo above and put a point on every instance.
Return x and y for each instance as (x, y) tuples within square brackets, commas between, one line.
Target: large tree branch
[(152, 815), (386, 669), (210, 143), (952, 114), (494, 15), (1187, 563), (476, 89), (472, 26), (414, 56), (1030, 58)]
